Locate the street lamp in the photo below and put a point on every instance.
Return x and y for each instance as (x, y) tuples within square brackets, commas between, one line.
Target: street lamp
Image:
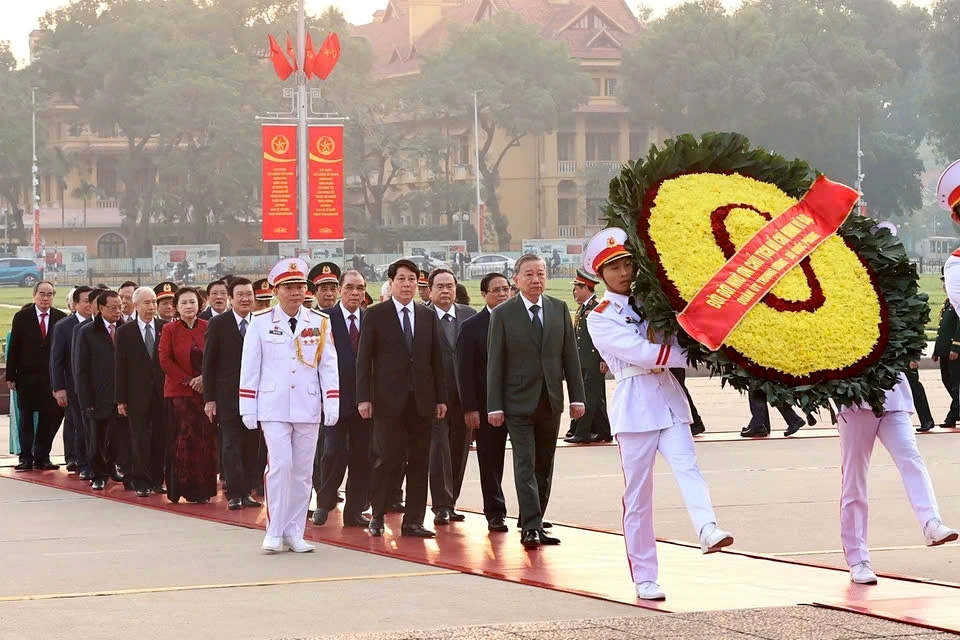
[(459, 217), (476, 157)]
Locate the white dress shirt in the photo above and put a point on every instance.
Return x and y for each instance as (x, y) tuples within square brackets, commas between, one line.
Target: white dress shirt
[(400, 307), (240, 319), (529, 304), (452, 311), (143, 330), (347, 313)]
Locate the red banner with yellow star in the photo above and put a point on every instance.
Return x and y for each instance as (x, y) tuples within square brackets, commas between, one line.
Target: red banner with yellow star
[(279, 182), (325, 170)]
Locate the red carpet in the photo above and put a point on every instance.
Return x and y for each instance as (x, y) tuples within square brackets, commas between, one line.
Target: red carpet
[(593, 563)]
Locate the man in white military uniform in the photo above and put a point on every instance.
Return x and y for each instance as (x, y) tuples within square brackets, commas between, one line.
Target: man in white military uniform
[(859, 429), (948, 197), (284, 349), (649, 413)]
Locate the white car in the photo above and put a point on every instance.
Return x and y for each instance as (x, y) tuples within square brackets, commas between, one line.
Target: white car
[(484, 264)]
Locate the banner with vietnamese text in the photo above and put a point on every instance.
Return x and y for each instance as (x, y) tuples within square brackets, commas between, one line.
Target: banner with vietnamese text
[(325, 170), (279, 182)]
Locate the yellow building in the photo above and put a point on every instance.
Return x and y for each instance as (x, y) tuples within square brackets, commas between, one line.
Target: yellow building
[(551, 186)]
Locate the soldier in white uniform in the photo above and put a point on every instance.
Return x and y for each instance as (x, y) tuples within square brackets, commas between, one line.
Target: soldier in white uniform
[(859, 429), (649, 412), (948, 197), (284, 350)]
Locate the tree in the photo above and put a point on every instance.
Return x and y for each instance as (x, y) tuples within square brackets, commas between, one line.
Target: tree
[(890, 162), (525, 84), (943, 62), (85, 191), (15, 143)]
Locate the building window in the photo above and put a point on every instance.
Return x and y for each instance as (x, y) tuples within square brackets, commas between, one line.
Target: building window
[(566, 147), (602, 146), (589, 21), (611, 87), (107, 176), (111, 245), (566, 212), (598, 86), (595, 211), (463, 151)]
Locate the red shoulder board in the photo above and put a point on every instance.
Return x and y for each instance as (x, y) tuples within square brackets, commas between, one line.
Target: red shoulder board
[(956, 253), (603, 305)]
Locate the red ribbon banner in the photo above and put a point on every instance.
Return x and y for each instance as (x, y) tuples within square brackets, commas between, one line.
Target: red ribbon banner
[(279, 182), (325, 169), (768, 256)]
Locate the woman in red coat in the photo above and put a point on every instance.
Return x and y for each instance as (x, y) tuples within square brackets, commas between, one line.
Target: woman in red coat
[(192, 457)]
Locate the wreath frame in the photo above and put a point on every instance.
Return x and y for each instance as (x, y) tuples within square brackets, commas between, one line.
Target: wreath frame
[(894, 276)]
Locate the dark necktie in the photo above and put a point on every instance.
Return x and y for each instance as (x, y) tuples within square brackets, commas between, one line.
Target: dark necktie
[(43, 325), (243, 329), (148, 340), (537, 325), (407, 329), (293, 326), (636, 308), (449, 329), (354, 332)]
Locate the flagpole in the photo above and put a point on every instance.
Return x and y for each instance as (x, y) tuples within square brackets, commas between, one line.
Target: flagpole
[(302, 106)]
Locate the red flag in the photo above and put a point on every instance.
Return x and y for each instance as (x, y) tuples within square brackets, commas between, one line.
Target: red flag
[(293, 56), (327, 57), (280, 63), (308, 57)]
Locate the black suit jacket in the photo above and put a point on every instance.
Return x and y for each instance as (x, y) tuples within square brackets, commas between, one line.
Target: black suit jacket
[(346, 358), (472, 363), (139, 378), (448, 351), (28, 360), (95, 367), (221, 364), (61, 350), (385, 368)]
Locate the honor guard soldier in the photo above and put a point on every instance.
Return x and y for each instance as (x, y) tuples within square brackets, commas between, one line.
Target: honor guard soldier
[(284, 349), (948, 197), (594, 426), (423, 286), (326, 277), (946, 352), (649, 413), (262, 294), (165, 292)]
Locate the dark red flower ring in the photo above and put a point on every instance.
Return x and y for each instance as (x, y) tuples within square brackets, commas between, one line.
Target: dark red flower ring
[(718, 221)]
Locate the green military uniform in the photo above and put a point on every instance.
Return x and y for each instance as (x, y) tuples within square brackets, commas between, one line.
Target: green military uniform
[(594, 425), (948, 341)]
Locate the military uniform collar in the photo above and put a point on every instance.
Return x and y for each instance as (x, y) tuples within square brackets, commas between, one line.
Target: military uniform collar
[(618, 300)]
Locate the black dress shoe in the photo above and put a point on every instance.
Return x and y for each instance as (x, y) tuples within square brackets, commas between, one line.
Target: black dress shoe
[(754, 433), (456, 517), (72, 467), (86, 475), (24, 466), (233, 504), (143, 493), (375, 527), (581, 439), (605, 439), (697, 428), (159, 489), (417, 531), (498, 525), (250, 503), (396, 507), (359, 520), (117, 476), (45, 466), (530, 539), (543, 525), (319, 517), (98, 484), (926, 426), (793, 428), (545, 539), (442, 516), (811, 421), (948, 425)]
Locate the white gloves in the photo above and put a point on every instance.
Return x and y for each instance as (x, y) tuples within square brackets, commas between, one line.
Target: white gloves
[(250, 422), (331, 414)]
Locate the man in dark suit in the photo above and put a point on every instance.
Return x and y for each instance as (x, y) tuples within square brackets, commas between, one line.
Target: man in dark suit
[(594, 426), (61, 378), (449, 439), (217, 300), (221, 386), (472, 381), (400, 385), (532, 349), (28, 371), (346, 445), (759, 425), (94, 373), (139, 385)]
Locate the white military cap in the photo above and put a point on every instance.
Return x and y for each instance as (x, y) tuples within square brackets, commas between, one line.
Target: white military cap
[(948, 190), (288, 271), (606, 246)]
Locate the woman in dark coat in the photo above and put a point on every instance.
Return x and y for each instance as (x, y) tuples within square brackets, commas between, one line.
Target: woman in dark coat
[(192, 453)]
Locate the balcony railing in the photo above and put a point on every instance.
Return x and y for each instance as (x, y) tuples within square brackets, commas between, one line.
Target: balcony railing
[(603, 165), (570, 231), (566, 167), (461, 171), (109, 203)]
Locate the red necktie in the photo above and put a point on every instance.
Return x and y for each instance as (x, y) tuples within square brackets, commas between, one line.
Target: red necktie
[(354, 333), (43, 325)]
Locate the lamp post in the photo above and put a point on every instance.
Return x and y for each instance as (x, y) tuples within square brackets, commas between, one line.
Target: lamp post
[(35, 171), (476, 157), (302, 199)]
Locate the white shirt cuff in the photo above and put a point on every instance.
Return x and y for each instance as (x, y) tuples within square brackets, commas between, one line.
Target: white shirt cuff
[(577, 404)]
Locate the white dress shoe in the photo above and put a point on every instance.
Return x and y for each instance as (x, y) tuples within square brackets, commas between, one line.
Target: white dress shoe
[(272, 544), (938, 533), (862, 573), (650, 591), (298, 545), (713, 538)]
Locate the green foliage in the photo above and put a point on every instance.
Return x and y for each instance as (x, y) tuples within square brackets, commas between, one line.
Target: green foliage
[(943, 61), (15, 139), (731, 152)]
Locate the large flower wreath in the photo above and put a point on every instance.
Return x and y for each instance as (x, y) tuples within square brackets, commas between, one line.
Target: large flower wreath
[(840, 326)]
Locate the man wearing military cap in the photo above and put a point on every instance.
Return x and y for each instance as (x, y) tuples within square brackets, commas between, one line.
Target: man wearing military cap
[(262, 294), (285, 349), (310, 296), (594, 426), (423, 286), (326, 277), (948, 197), (165, 292), (649, 412)]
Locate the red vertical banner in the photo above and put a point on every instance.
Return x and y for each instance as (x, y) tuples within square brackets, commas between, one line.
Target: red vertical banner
[(279, 182), (325, 169)]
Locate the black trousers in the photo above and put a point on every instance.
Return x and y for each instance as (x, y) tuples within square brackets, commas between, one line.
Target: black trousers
[(69, 434), (107, 445), (35, 445), (919, 396), (393, 437), (491, 443), (534, 440), (346, 447), (449, 449), (950, 376), (760, 413), (147, 448), (241, 452), (79, 431), (595, 419), (681, 375)]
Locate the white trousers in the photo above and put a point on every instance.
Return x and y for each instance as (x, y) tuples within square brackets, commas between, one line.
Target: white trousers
[(858, 432), (637, 456), (291, 447)]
